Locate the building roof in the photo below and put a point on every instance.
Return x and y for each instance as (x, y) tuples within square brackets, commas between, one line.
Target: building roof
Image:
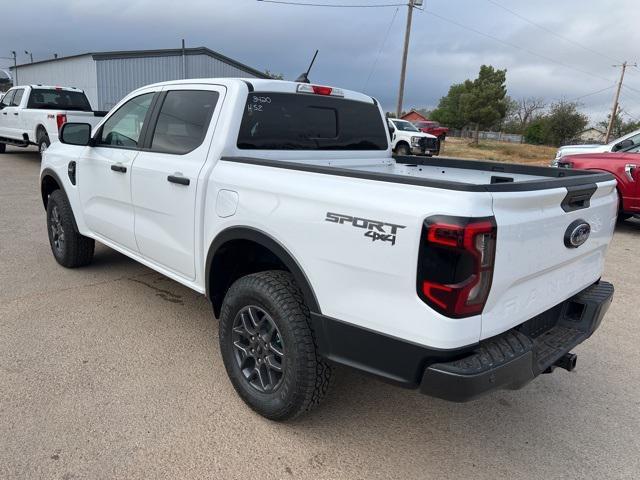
[(413, 112), (169, 52)]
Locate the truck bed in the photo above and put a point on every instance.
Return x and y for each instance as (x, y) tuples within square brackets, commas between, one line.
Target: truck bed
[(443, 172)]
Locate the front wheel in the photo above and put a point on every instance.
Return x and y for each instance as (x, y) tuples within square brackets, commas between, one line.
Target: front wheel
[(403, 150), (268, 346), (69, 247)]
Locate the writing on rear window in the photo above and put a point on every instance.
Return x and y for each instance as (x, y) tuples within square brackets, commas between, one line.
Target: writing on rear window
[(292, 121)]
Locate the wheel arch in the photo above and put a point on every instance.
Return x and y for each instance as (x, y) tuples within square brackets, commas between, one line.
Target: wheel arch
[(39, 128), (49, 182), (231, 244)]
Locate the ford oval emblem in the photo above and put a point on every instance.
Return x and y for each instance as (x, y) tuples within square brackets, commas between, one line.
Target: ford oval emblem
[(577, 233)]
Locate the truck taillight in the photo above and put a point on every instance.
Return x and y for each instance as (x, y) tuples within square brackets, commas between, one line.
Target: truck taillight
[(455, 264), (61, 119)]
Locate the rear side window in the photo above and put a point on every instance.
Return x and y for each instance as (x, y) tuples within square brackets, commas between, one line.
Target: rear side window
[(183, 120), (49, 99), (17, 99), (295, 121)]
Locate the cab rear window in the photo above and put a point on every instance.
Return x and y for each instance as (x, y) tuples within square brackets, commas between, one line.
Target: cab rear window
[(49, 99), (295, 121)]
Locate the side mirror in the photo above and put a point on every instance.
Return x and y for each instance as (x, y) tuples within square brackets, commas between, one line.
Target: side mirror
[(623, 144), (391, 130), (76, 134)]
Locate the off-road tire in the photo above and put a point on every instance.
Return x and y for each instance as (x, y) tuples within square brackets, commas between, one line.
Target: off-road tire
[(75, 250), (3, 147), (306, 377)]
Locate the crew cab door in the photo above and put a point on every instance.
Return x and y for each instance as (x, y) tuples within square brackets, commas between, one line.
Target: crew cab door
[(11, 114), (165, 175), (104, 172), (5, 130)]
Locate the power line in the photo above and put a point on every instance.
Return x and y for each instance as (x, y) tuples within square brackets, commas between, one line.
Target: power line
[(333, 5), (592, 93), (548, 30), (375, 63), (517, 47)]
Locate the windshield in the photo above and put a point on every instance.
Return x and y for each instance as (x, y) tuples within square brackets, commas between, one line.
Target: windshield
[(295, 121), (405, 126), (50, 99)]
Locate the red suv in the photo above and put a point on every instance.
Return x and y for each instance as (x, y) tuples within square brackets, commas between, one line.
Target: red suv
[(433, 128)]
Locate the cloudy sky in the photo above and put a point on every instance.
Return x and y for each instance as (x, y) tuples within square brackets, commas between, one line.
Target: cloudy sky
[(552, 49)]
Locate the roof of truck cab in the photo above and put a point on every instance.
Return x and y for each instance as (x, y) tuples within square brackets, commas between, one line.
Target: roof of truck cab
[(52, 87), (265, 85)]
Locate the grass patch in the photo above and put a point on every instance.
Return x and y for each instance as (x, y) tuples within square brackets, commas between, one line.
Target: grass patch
[(498, 151)]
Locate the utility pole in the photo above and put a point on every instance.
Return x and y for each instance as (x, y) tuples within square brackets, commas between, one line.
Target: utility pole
[(614, 108), (403, 72)]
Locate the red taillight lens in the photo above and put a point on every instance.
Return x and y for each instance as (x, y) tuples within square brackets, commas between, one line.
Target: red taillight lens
[(61, 119), (456, 263), (318, 90)]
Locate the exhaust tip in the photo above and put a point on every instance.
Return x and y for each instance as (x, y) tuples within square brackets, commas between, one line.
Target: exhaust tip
[(567, 361)]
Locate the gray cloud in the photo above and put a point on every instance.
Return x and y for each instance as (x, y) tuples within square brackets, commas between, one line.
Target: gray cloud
[(282, 39)]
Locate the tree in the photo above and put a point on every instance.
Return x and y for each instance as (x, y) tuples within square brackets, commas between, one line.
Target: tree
[(275, 76), (564, 122), (448, 112), (561, 124), (483, 101), (620, 127), (524, 110)]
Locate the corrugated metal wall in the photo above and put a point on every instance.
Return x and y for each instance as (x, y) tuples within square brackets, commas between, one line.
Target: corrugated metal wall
[(77, 72), (118, 77)]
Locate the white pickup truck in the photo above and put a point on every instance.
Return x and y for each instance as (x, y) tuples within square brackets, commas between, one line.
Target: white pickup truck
[(406, 139), (282, 203), (626, 142), (33, 114)]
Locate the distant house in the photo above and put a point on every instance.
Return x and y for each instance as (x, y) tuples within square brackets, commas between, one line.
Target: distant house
[(414, 116), (591, 135)]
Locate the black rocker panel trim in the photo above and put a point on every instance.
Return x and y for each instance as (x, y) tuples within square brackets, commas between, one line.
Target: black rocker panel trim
[(557, 178), (263, 239)]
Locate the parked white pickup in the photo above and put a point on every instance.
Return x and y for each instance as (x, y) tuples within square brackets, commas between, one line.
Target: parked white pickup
[(282, 202), (33, 114)]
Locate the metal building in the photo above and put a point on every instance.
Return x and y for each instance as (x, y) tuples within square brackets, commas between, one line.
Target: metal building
[(106, 77)]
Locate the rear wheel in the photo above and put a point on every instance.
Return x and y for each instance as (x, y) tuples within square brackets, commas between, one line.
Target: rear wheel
[(69, 247), (268, 346), (3, 147), (43, 141)]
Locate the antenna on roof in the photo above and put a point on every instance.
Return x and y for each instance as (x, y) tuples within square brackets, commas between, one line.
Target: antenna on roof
[(304, 78)]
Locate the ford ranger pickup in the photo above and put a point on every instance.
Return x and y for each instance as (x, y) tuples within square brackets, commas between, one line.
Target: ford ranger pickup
[(283, 204)]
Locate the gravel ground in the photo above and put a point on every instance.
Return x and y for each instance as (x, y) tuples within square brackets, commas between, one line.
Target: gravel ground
[(113, 371)]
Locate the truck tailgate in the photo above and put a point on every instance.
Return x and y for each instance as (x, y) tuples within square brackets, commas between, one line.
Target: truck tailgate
[(534, 269)]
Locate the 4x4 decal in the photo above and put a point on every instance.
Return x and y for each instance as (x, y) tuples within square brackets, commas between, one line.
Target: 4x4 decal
[(375, 229)]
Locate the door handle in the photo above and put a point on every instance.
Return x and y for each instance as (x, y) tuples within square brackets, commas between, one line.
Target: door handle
[(15, 113), (119, 168), (4, 113), (179, 179)]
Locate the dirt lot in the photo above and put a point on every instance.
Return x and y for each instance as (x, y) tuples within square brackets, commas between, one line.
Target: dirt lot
[(113, 371), (499, 151)]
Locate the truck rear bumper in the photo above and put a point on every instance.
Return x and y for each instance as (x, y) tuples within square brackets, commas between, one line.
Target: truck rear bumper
[(507, 361), (514, 358)]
